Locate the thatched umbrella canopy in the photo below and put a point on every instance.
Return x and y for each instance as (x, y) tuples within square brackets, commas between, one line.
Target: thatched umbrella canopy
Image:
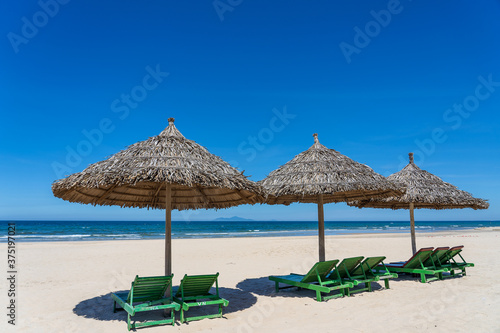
[(166, 171), (321, 175), (423, 190)]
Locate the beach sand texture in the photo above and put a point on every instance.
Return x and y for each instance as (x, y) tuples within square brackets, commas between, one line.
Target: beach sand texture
[(66, 286)]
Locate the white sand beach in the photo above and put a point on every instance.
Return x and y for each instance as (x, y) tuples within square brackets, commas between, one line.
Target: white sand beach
[(66, 286)]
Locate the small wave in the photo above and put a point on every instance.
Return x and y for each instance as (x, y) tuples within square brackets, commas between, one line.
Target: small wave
[(207, 233), (45, 236), (116, 235)]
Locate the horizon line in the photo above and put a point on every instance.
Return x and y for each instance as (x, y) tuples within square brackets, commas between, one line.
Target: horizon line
[(246, 220)]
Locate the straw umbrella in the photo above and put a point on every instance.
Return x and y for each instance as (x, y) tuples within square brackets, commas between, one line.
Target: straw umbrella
[(321, 175), (423, 190), (166, 171)]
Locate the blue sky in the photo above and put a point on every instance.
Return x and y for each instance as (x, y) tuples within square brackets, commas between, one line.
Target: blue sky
[(251, 81)]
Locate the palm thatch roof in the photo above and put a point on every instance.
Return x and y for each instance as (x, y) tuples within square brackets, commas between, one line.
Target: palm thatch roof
[(424, 190), (136, 177), (320, 170)]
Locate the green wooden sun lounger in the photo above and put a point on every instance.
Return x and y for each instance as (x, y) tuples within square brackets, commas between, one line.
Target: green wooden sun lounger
[(146, 294), (448, 261), (346, 266), (357, 271), (415, 265), (344, 271), (194, 291), (373, 269), (316, 279), (437, 257)]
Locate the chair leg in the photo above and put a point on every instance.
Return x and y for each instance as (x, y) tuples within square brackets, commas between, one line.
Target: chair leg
[(386, 282), (368, 286), (182, 316), (276, 286), (422, 277), (114, 306), (318, 295), (129, 325)]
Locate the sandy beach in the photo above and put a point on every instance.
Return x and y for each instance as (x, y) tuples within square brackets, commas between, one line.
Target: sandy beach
[(66, 286)]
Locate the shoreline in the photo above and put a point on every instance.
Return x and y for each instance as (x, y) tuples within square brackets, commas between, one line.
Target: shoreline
[(343, 235)]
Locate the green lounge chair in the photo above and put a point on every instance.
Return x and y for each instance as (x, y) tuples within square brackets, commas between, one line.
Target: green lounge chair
[(448, 261), (346, 266), (316, 279), (373, 269), (437, 257), (146, 294), (194, 291), (344, 269), (357, 271), (415, 265)]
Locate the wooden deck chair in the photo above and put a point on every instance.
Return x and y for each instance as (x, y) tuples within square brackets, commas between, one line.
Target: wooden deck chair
[(448, 261), (346, 266), (344, 271), (316, 279), (415, 265), (367, 272), (194, 291), (437, 259), (383, 273), (357, 271), (146, 294)]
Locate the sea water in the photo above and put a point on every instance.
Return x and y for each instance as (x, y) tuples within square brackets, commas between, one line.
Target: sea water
[(39, 231)]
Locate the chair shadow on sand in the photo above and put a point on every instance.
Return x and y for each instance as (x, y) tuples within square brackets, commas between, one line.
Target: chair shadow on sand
[(101, 307)]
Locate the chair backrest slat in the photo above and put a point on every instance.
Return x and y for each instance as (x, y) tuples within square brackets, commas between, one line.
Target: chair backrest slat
[(452, 252), (320, 271), (418, 258), (367, 265), (149, 288), (345, 268), (196, 285), (437, 256)]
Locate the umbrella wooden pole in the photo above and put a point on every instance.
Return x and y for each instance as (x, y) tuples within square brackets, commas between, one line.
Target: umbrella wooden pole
[(321, 228), (168, 229), (412, 228)]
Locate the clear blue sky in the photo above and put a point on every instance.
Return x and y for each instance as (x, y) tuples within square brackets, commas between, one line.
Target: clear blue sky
[(251, 81)]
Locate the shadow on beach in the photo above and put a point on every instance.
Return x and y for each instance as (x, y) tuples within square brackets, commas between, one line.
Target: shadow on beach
[(101, 307), (262, 286)]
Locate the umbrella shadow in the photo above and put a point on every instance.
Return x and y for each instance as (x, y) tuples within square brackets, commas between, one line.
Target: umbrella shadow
[(262, 286), (101, 307)]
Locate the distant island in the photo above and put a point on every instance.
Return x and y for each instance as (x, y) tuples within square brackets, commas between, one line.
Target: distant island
[(234, 218)]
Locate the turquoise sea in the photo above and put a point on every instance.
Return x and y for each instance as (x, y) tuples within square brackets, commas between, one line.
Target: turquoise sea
[(40, 231)]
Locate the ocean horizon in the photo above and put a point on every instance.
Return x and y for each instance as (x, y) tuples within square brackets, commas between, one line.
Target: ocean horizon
[(45, 231)]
